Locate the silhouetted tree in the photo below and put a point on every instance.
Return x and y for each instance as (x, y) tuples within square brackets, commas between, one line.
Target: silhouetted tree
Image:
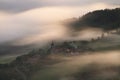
[(107, 20)]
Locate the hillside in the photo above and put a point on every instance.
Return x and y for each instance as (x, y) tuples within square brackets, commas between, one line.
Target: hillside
[(56, 54), (108, 19)]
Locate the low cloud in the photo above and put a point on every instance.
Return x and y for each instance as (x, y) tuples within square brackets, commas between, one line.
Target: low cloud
[(41, 24)]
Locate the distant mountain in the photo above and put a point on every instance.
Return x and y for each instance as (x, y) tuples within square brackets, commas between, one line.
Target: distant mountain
[(107, 19)]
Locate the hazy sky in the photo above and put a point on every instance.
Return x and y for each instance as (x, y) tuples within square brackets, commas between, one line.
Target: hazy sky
[(35, 20), (23, 5)]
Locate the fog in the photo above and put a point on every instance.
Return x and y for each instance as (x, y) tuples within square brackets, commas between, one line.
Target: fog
[(71, 65), (42, 24), (27, 22)]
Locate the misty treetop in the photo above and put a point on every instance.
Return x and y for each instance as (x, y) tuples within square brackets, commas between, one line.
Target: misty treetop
[(107, 19)]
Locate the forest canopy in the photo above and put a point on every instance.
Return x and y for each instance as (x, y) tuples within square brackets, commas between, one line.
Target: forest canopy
[(107, 20)]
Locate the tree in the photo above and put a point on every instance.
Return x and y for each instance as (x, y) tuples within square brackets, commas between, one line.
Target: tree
[(106, 20)]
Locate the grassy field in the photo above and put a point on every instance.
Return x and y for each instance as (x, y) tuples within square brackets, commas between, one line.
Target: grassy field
[(111, 42), (7, 59)]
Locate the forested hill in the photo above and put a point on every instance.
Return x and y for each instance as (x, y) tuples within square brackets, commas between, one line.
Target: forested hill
[(107, 19)]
